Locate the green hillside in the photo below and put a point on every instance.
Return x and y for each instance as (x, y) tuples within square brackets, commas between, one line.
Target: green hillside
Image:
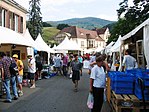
[(86, 23), (48, 33)]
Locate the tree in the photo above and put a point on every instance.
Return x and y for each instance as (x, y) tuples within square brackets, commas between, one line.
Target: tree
[(133, 16), (35, 20), (62, 26), (45, 24)]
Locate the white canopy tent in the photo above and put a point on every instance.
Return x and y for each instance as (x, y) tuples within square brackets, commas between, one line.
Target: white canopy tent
[(117, 48), (88, 51), (9, 36), (75, 45), (117, 45), (145, 26), (54, 46), (99, 49), (29, 38), (42, 45), (66, 44), (108, 47)]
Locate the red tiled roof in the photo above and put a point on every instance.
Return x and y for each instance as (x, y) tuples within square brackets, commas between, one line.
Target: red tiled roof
[(100, 31), (99, 39), (81, 33)]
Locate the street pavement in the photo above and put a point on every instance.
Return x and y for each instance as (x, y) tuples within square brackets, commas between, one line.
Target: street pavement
[(53, 95)]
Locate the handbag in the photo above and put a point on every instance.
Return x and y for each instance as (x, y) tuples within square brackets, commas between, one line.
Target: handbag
[(90, 101)]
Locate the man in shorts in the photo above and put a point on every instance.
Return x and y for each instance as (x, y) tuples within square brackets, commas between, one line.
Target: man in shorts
[(32, 70), (20, 73)]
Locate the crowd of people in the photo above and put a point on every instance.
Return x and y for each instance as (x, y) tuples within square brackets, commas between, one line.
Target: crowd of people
[(12, 75), (65, 65)]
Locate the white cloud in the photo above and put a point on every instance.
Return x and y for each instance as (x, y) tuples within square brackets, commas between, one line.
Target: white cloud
[(62, 2), (65, 9)]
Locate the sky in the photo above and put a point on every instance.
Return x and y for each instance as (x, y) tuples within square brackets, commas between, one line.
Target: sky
[(55, 10)]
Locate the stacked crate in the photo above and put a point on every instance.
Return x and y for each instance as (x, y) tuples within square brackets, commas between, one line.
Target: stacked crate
[(122, 83), (145, 77)]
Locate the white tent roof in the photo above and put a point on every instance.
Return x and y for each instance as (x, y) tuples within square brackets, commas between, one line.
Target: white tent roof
[(110, 45), (89, 50), (54, 46), (99, 49), (66, 44), (9, 36), (42, 45), (28, 37), (75, 45), (135, 30), (116, 46)]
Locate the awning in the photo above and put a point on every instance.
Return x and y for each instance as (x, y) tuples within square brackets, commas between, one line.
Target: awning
[(135, 30), (8, 36)]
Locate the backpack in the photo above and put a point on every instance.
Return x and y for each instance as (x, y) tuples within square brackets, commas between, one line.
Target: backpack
[(12, 68)]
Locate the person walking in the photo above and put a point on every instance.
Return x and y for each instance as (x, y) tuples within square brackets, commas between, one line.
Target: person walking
[(92, 59), (32, 70), (129, 62), (76, 71), (65, 63), (20, 73), (97, 84), (81, 61), (8, 77), (57, 64)]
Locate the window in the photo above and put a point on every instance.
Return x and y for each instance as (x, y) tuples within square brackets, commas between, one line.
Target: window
[(10, 20), (0, 16), (81, 33), (13, 21), (82, 43), (90, 43), (16, 23), (3, 17), (21, 25)]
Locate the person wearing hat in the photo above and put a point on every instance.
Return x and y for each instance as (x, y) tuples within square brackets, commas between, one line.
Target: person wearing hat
[(20, 73), (32, 70)]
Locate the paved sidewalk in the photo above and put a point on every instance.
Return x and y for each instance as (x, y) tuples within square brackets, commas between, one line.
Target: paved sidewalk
[(53, 95)]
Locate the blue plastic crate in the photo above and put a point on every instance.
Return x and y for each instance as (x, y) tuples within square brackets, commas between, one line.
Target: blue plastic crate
[(134, 71), (125, 77), (124, 84), (144, 76), (112, 74), (123, 90), (52, 74), (138, 93)]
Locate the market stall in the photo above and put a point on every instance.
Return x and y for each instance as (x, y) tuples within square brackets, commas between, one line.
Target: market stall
[(129, 90), (45, 48)]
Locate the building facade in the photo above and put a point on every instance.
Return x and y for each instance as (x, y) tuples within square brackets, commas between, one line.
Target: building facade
[(86, 39), (104, 33), (12, 16)]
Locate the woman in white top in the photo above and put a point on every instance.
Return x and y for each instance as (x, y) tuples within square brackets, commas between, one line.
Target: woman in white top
[(97, 84)]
